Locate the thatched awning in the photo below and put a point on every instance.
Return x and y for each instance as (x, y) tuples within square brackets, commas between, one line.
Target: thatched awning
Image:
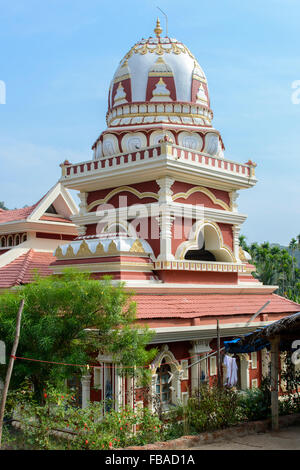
[(287, 328)]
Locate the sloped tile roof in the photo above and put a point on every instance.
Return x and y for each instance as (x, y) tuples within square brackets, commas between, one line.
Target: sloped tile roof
[(16, 214), (202, 305), (22, 269)]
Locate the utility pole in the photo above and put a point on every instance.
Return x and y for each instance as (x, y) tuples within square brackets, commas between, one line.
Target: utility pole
[(10, 367)]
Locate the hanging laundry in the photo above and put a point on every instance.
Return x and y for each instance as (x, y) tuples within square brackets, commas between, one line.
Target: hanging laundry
[(231, 371)]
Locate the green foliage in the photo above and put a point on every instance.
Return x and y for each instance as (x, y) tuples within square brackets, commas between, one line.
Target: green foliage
[(84, 429), (291, 380), (276, 266), (2, 206), (57, 314), (210, 408), (255, 404)]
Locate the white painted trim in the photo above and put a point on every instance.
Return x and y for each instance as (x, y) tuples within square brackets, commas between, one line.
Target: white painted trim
[(98, 382), (45, 226), (158, 167), (184, 363), (254, 360), (176, 209), (152, 288), (57, 190), (194, 333), (212, 366)]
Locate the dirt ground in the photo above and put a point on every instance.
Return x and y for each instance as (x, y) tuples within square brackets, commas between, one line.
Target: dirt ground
[(285, 439)]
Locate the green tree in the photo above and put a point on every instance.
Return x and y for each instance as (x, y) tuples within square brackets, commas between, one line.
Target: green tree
[(2, 206), (67, 318), (275, 266)]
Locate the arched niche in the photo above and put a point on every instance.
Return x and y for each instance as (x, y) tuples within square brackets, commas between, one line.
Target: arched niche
[(165, 361), (206, 240)]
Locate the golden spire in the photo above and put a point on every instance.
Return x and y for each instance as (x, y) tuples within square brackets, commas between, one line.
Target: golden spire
[(158, 29)]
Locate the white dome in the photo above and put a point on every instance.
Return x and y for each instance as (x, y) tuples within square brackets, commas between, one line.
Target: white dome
[(158, 89), (142, 58)]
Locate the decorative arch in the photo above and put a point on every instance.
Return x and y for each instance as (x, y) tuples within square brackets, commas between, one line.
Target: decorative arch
[(205, 191), (122, 227), (119, 190), (210, 233), (3, 242), (176, 371)]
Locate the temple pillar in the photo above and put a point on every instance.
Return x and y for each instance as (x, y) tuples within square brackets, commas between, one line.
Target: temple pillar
[(236, 242), (165, 218)]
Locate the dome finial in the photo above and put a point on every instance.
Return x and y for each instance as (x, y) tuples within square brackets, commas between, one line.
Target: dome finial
[(158, 29)]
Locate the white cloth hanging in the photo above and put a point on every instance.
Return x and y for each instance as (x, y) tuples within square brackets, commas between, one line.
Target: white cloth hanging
[(231, 371)]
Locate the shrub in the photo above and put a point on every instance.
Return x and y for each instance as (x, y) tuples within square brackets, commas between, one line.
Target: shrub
[(211, 408), (87, 428)]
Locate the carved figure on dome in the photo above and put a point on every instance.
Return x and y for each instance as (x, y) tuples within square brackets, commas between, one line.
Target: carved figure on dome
[(120, 96), (201, 96), (161, 92)]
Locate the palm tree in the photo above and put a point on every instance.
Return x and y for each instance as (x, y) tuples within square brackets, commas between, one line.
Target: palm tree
[(293, 247)]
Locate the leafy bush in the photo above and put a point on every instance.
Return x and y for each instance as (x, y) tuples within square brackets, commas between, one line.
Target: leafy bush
[(87, 428), (255, 403), (290, 376), (211, 408)]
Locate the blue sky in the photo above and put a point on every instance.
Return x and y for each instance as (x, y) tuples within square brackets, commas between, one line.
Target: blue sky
[(57, 58)]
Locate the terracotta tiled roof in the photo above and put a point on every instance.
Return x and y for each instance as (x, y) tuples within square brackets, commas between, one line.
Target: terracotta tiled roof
[(16, 214), (202, 305), (21, 270)]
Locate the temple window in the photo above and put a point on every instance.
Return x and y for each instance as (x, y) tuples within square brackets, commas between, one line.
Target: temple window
[(200, 255), (163, 391), (10, 241), (3, 242)]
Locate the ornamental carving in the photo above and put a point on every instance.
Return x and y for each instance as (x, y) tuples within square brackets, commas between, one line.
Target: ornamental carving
[(112, 248), (83, 250), (163, 46), (137, 247)]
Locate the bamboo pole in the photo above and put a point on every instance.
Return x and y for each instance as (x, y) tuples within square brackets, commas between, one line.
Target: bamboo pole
[(10, 367)]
